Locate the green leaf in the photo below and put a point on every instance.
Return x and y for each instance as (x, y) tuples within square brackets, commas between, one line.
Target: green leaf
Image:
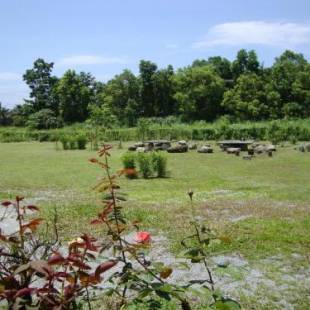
[(226, 304)]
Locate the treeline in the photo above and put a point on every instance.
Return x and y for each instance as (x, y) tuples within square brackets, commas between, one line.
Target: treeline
[(206, 90)]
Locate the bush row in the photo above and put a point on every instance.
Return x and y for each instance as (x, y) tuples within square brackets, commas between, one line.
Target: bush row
[(150, 164), (274, 130), (74, 142)]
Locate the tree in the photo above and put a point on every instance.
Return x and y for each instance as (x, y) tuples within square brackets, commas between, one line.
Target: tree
[(75, 92), (5, 116), (43, 119), (199, 91), (221, 65), (164, 102), (131, 112), (147, 70), (116, 94), (252, 98), (246, 62), (301, 93), (41, 83), (247, 99), (290, 77), (101, 116), (20, 113)]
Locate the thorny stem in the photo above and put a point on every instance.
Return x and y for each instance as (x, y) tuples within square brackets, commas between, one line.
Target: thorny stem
[(88, 299), (115, 217), (201, 243), (19, 218)]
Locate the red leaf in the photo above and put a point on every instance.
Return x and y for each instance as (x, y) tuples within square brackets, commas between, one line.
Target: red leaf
[(96, 222), (89, 242), (104, 267), (6, 203), (32, 225), (23, 292), (32, 208), (56, 259)]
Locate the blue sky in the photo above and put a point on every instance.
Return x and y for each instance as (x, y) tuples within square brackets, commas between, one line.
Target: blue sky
[(104, 37)]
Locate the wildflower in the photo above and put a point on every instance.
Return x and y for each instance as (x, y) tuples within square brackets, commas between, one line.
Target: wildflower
[(143, 237)]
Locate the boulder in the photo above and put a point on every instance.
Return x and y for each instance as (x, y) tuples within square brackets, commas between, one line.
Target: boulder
[(141, 149), (132, 148), (205, 149), (270, 147), (178, 149), (259, 149), (307, 147), (182, 142), (233, 150), (301, 148)]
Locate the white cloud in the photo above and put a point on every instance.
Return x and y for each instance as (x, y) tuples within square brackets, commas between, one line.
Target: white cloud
[(10, 76), (256, 32), (79, 60)]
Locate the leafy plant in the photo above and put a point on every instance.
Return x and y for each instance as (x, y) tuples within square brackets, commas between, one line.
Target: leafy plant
[(65, 142), (159, 163), (145, 164), (81, 141), (129, 164)]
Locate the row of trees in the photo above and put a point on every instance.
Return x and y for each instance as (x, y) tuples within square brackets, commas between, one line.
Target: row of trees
[(207, 89)]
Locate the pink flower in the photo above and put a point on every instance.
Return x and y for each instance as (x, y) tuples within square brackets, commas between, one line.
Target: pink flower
[(143, 237)]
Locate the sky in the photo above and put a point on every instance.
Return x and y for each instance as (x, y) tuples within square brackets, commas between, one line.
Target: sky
[(104, 37)]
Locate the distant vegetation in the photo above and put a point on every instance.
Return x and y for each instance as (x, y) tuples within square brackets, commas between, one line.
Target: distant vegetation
[(166, 128), (205, 90)]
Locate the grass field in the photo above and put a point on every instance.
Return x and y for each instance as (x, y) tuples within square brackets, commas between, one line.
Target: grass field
[(262, 205)]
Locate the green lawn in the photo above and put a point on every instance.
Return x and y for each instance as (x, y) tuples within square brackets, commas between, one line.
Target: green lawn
[(226, 186), (262, 205)]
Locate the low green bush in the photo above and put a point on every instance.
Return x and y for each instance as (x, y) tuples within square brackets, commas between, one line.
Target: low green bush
[(65, 143), (145, 164), (72, 143), (129, 164), (81, 141), (159, 164)]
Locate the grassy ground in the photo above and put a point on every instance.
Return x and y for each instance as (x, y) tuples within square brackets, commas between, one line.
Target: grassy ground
[(261, 205)]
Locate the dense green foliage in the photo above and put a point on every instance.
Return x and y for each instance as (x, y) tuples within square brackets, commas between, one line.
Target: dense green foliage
[(298, 130), (149, 164), (205, 90)]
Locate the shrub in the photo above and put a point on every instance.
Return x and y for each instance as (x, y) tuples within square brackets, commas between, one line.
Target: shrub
[(81, 141), (65, 142), (129, 164), (159, 163), (43, 119), (145, 164), (72, 143)]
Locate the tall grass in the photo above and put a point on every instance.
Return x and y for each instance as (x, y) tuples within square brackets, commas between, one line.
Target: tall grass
[(270, 130)]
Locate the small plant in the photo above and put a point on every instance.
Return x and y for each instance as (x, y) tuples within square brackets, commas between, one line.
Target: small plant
[(81, 141), (72, 143), (65, 142), (145, 164), (159, 163), (129, 164)]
